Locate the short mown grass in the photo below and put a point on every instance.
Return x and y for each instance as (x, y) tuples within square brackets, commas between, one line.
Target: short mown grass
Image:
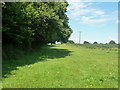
[(63, 66)]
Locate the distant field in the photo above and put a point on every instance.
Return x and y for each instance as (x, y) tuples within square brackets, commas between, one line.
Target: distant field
[(63, 66), (101, 46)]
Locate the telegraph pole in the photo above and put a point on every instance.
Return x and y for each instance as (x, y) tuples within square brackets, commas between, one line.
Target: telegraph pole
[(79, 37)]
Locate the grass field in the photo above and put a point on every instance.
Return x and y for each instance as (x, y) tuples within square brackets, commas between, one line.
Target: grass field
[(63, 66), (100, 46)]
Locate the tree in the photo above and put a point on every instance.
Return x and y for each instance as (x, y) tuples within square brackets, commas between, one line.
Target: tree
[(36, 23), (31, 24), (95, 43), (70, 42), (86, 42), (112, 42), (16, 30)]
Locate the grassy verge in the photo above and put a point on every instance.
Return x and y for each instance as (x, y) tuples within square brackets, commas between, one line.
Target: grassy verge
[(63, 66)]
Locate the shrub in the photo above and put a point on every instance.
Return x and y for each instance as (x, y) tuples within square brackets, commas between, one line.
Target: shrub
[(95, 43), (70, 42), (112, 42), (86, 42)]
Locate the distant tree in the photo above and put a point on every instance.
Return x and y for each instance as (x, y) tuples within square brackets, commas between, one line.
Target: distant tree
[(95, 43), (112, 42), (70, 41), (86, 42)]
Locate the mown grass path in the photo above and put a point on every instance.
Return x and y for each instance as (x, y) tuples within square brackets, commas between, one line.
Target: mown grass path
[(63, 66)]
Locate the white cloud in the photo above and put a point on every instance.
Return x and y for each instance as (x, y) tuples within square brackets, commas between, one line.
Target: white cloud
[(91, 20), (83, 12), (76, 8)]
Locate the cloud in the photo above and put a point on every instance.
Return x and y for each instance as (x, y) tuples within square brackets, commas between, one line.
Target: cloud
[(83, 12), (91, 20), (76, 8)]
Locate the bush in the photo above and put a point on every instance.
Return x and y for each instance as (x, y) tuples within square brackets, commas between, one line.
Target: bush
[(95, 43), (86, 42), (70, 42), (112, 42)]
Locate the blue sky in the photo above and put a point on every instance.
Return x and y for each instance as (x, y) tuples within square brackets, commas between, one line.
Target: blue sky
[(97, 21)]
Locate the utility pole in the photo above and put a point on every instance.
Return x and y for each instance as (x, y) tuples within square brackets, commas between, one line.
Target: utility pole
[(79, 37)]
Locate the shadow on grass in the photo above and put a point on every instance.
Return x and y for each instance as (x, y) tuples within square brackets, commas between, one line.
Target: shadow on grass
[(47, 52)]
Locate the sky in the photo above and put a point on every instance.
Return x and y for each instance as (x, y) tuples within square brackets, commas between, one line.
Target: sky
[(97, 21)]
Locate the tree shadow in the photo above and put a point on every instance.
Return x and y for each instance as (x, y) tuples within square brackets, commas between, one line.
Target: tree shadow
[(47, 52)]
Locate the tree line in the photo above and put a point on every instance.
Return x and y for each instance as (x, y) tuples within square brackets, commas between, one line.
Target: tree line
[(86, 42), (110, 42), (26, 25)]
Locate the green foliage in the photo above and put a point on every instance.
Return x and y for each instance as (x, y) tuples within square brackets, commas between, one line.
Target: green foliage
[(31, 24), (15, 30), (112, 42), (70, 42), (86, 42), (95, 43)]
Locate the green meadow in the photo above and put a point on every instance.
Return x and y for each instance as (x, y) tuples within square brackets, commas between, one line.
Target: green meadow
[(63, 66)]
